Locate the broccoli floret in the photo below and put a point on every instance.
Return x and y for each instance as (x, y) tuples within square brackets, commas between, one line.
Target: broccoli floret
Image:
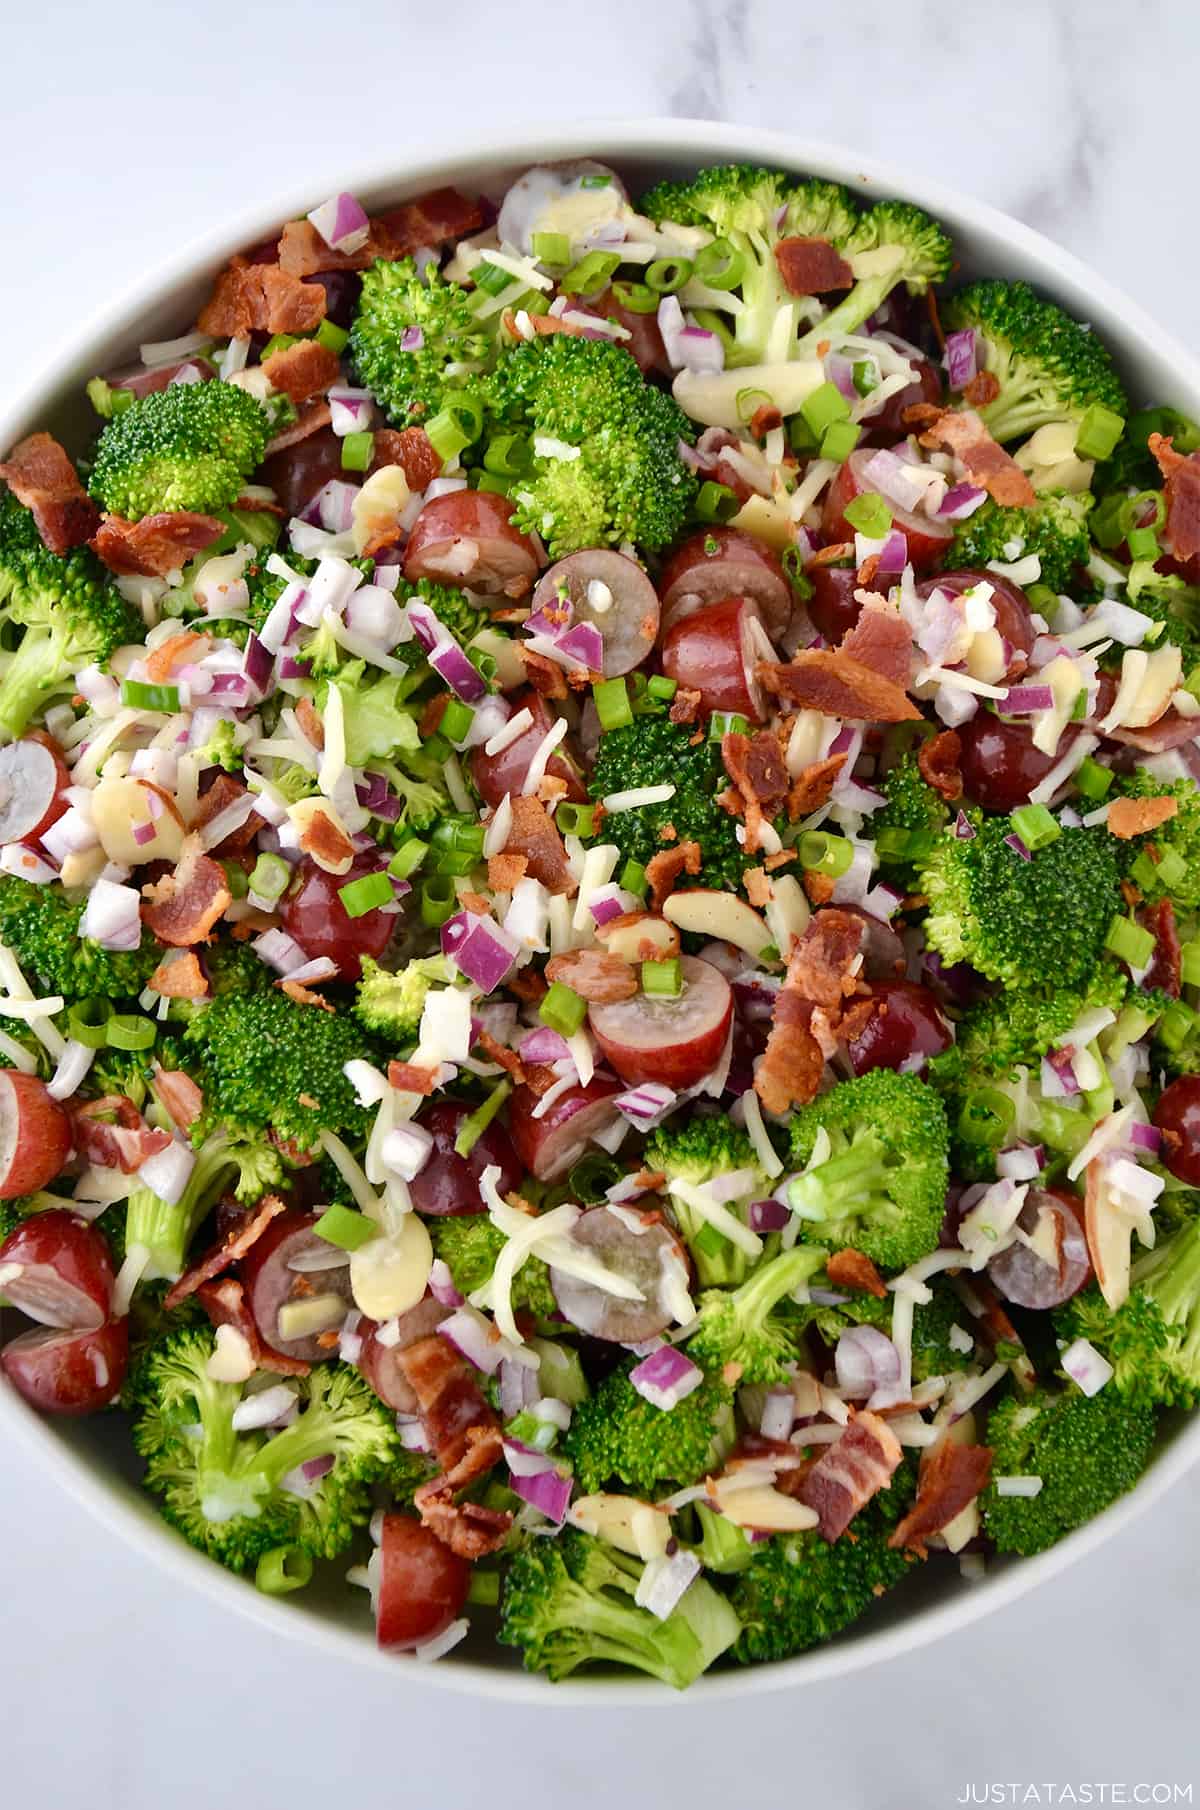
[(391, 1004), (40, 924), (469, 1244), (1167, 860), (697, 1150), (906, 246), (1087, 1450), (915, 815), (652, 751), (617, 1433), (69, 612), (933, 1354), (569, 1602), (267, 1063), (1048, 366), (223, 1165), (1153, 1339), (1016, 920), (222, 749), (623, 479), (1055, 528), (1018, 1028), (800, 1590), (1173, 605), (227, 1492), (190, 446), (451, 351), (740, 1327), (882, 1186), (452, 607), (722, 1546), (405, 1475)]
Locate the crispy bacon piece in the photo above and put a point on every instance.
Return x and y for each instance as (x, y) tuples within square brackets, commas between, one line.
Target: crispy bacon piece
[(881, 640), (812, 786), (459, 1423), (326, 842), (819, 887), (765, 419), (685, 706), (594, 974), (260, 298), (961, 432), (467, 1528), (822, 973), (498, 1052), (225, 1304), (1166, 969), (309, 719), (849, 1472), (533, 835), (1181, 490), (812, 266), (125, 1145), (758, 887), (527, 984), (663, 869), (837, 685), (183, 906), (412, 448), (304, 370), (301, 995), (181, 978), (825, 964), (937, 763), (40, 475), (790, 1068), (410, 1078), (173, 652), (1129, 817), (179, 1094), (545, 675), (155, 546), (854, 1269), (429, 220), (983, 388), (224, 791), (951, 1476), (504, 870), (755, 765), (313, 417), (227, 1251)]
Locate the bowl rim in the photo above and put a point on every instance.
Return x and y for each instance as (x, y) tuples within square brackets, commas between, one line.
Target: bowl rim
[(384, 177)]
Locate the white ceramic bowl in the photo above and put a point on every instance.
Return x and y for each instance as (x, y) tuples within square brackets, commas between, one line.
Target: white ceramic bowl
[(93, 1459)]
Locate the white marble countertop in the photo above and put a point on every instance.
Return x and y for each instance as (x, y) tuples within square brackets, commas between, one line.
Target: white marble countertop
[(131, 126)]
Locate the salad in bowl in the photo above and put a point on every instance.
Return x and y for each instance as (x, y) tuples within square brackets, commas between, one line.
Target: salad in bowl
[(599, 870)]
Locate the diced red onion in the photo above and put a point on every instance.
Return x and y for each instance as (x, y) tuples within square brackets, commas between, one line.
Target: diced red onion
[(865, 1360), (342, 223), (1145, 1137), (768, 1216), (1023, 700), (544, 1045), (279, 951), (845, 740), (605, 904), (964, 829), (647, 1102), (700, 350), (778, 1414), (374, 613), (961, 357), (883, 901), (486, 953), (112, 916), (548, 1491), (665, 1581), (691, 458), (518, 1388), (412, 339), (1085, 1366), (525, 1460), (960, 501), (1018, 847), (350, 411), (666, 1377), (412, 1433), (893, 555), (583, 642), (885, 471), (71, 834), (1023, 1163), (464, 680), (474, 1338), (264, 1409), (840, 372), (441, 1285), (406, 1149), (1058, 1075)]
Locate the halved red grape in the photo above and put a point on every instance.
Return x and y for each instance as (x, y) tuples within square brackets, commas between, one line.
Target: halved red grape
[(312, 911), (449, 1183)]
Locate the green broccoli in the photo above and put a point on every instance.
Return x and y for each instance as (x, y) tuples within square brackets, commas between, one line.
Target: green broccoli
[(1018, 1028), (40, 924), (913, 817), (1165, 864), (609, 468), (469, 1244), (800, 1590), (247, 1169), (1153, 1339), (697, 1150), (67, 609), (1055, 528), (617, 1433), (1087, 1450), (568, 1602), (391, 1004), (1021, 920), (190, 446), (882, 1186), (1048, 366), (232, 1494), (1172, 604), (740, 1327), (447, 347), (653, 751), (903, 245), (265, 1062), (222, 749)]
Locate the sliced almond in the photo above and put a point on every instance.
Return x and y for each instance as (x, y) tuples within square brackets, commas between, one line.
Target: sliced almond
[(631, 1526), (122, 806), (639, 936), (1109, 1237), (378, 505), (764, 1508), (706, 912)]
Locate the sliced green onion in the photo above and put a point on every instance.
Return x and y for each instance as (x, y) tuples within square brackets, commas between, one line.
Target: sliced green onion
[(1129, 942), (666, 275), (141, 696), (633, 878), (1171, 869), (508, 455), (344, 1227), (130, 1031), (663, 980), (635, 298), (473, 1128), (270, 876), (1036, 826), (839, 440), (720, 265), (333, 337), (1133, 508), (825, 406), (1091, 779), (725, 722), (591, 274), (367, 893), (823, 853), (869, 514), (282, 1570), (408, 858), (278, 342), (1144, 872), (88, 1021), (1190, 964), (490, 278), (464, 835), (661, 687), (456, 720), (575, 819), (985, 1117), (1177, 1025), (1106, 523), (551, 248), (492, 482), (458, 423), (1099, 431), (600, 180), (863, 375), (484, 1587), (357, 451), (236, 879), (612, 703), (1142, 543), (563, 1009), (715, 502), (438, 900)]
